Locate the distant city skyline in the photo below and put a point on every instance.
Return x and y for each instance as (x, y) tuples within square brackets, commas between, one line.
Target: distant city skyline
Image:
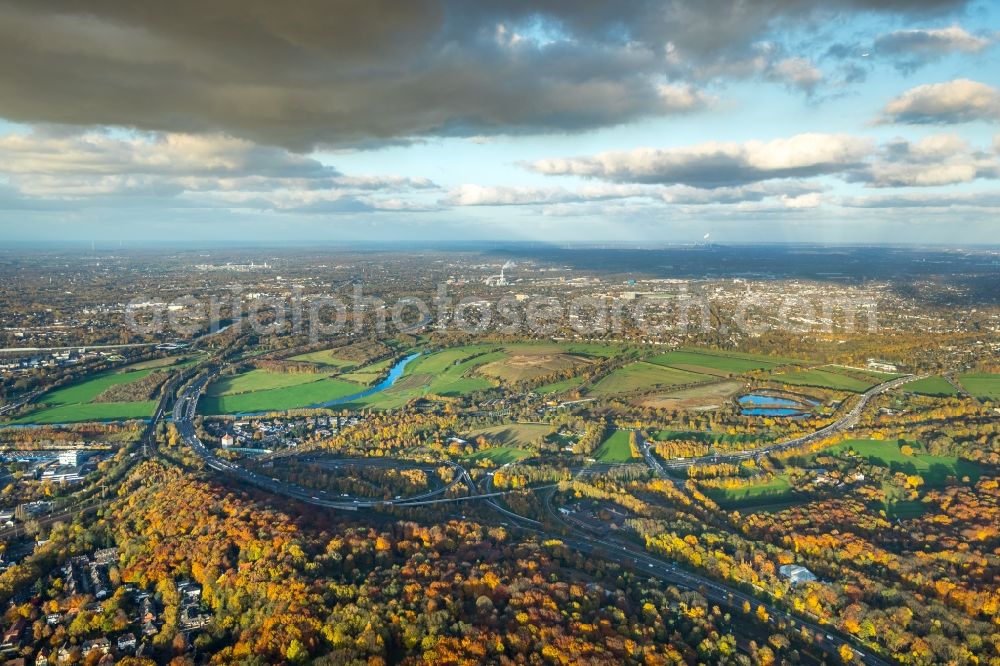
[(632, 122)]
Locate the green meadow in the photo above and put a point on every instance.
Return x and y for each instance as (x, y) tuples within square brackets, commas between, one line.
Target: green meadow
[(774, 489), (935, 470), (698, 362), (499, 455), (983, 385), (73, 403), (512, 434), (934, 386), (281, 398), (615, 449), (822, 379), (641, 376)]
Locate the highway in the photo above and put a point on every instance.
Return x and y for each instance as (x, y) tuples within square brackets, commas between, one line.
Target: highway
[(713, 591), (183, 416), (845, 422), (668, 572)]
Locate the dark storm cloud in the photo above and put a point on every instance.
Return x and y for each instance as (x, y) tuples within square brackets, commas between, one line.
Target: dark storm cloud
[(362, 71)]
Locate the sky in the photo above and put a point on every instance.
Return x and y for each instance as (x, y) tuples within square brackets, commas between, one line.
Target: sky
[(632, 121)]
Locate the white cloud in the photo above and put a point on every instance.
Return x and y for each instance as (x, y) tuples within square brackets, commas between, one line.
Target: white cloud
[(984, 200), (792, 194), (484, 195), (215, 169), (729, 172), (961, 100), (720, 164), (940, 159)]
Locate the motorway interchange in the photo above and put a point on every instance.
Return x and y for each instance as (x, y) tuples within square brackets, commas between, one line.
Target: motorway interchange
[(572, 535)]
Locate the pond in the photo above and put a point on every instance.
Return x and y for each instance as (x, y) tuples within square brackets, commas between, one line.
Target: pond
[(761, 404)]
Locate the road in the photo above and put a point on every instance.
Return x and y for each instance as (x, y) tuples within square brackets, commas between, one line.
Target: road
[(668, 572), (845, 422), (714, 592), (183, 416)]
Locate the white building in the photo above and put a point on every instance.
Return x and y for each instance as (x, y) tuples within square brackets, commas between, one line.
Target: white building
[(70, 458), (227, 440), (881, 366), (796, 573)]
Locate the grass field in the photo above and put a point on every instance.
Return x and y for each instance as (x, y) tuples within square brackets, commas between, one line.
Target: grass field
[(823, 379), (559, 387), (500, 455), (708, 396), (169, 361), (775, 489), (90, 388), (259, 380), (764, 358), (368, 374), (520, 366), (92, 411), (72, 403), (327, 357), (875, 376), (615, 448), (701, 436), (982, 385), (458, 371), (642, 376), (446, 373), (512, 434), (279, 399), (935, 386), (709, 363), (884, 453)]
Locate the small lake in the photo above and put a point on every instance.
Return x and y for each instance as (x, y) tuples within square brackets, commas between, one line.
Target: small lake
[(760, 404), (770, 400)]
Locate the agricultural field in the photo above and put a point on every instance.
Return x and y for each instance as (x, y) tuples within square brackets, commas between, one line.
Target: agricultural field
[(95, 411), (368, 374), (640, 376), (615, 449), (499, 455), (822, 379), (259, 380), (710, 364), (303, 394), (709, 396), (325, 357), (775, 489), (80, 401), (886, 453), (530, 364), (933, 386), (559, 387), (447, 373), (875, 376), (513, 434), (983, 385)]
